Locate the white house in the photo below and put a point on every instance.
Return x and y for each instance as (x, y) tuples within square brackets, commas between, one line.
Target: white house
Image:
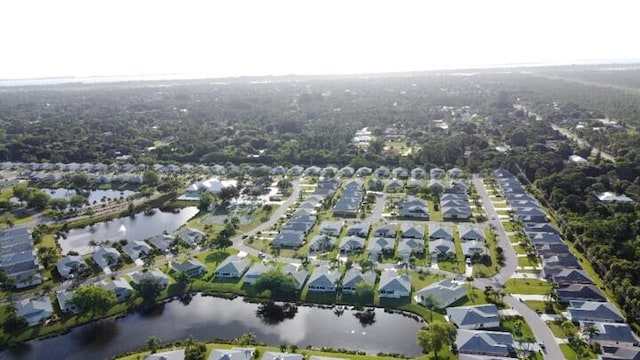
[(441, 294), (394, 285)]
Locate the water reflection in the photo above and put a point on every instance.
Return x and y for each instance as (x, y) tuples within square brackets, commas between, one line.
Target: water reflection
[(208, 318)]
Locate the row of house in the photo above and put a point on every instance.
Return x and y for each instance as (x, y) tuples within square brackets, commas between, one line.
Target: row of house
[(349, 202), (18, 257), (587, 304), (455, 206), (235, 353)]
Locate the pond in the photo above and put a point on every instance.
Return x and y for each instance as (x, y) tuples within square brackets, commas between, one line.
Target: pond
[(92, 195), (208, 318), (138, 227)]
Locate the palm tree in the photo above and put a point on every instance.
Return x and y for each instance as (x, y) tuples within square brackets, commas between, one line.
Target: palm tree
[(149, 261)]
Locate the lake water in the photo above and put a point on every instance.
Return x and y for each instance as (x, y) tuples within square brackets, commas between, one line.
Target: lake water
[(208, 318), (135, 228), (94, 195)]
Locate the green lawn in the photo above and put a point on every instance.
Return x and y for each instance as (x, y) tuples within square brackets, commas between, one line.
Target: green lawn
[(569, 354), (482, 270), (556, 329), (525, 261), (510, 226), (434, 215), (540, 306), (527, 286), (509, 324)]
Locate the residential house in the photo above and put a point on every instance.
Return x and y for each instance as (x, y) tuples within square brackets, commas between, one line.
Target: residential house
[(351, 244), (487, 343), (382, 172), (106, 257), (231, 354), (331, 228), (355, 276), (441, 294), (474, 317), (395, 186), (270, 355), (388, 231), (191, 267), (571, 276), (415, 184), (400, 173), (418, 173), (69, 266), (375, 184), (458, 187), (166, 355), (454, 173), (323, 279), (296, 170), (232, 267), (137, 249), (297, 272), (394, 285), (346, 171), (440, 232), (34, 311), (191, 236), (119, 287), (612, 334), (548, 250), (410, 246), (255, 271), (379, 245), (414, 208), (436, 173), (64, 302), (289, 238), (162, 242), (311, 171), (593, 311), (320, 243), (474, 249), (456, 213), (619, 353), (468, 233), (360, 229), (364, 171), (580, 292), (328, 171), (278, 170), (410, 231), (442, 248), (162, 278)]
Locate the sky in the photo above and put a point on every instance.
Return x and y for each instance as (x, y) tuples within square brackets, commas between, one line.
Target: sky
[(44, 38)]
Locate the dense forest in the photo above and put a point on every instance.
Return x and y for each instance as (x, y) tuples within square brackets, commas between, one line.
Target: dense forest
[(284, 121)]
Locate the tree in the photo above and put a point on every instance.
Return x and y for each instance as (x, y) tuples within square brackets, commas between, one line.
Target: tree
[(569, 328), (152, 344), (148, 261), (194, 350), (228, 193), (221, 242), (79, 180), (47, 256), (436, 336), (93, 299), (279, 284), (77, 201), (246, 339), (151, 177), (149, 289), (431, 302), (363, 293), (38, 200)]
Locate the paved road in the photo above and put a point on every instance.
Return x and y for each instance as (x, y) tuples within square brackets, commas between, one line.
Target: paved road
[(540, 329), (574, 137)]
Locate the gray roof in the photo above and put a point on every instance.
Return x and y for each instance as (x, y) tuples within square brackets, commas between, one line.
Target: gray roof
[(354, 276), (473, 315), (167, 355), (412, 231), (258, 269), (484, 342), (231, 354), (379, 244), (613, 332), (440, 232), (270, 355), (391, 280), (593, 311), (442, 293), (351, 243), (323, 276), (442, 246), (298, 273), (388, 230), (188, 265), (321, 242), (289, 238), (234, 265), (468, 232), (474, 247), (100, 256), (580, 292)]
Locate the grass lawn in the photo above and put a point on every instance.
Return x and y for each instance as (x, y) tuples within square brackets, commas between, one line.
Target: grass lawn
[(525, 261), (509, 324), (569, 354), (519, 250), (455, 267), (540, 306), (434, 215), (527, 286), (510, 226), (482, 270), (213, 258), (556, 329)]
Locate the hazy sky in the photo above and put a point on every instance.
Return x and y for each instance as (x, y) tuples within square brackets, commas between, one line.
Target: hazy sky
[(236, 37)]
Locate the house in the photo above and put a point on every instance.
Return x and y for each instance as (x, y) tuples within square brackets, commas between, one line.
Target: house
[(611, 334), (323, 279), (382, 171), (442, 248), (548, 250), (106, 257), (270, 355), (355, 276), (346, 171), (474, 317), (328, 171), (388, 231), (375, 184), (395, 186), (162, 242), (571, 276), (400, 173), (440, 232), (289, 238), (167, 355), (454, 173), (296, 170), (441, 294), (410, 231), (414, 208), (379, 245), (593, 311), (364, 171), (311, 171), (64, 303), (488, 343), (162, 278), (458, 187), (351, 244), (137, 249), (256, 271), (297, 272), (232, 267), (34, 311), (474, 249), (278, 170), (456, 213), (231, 354), (361, 229), (394, 285), (69, 266), (321, 243), (191, 236), (119, 287), (609, 197), (410, 246), (331, 228), (580, 292), (418, 173), (468, 233), (619, 353), (436, 173), (532, 214), (191, 267)]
